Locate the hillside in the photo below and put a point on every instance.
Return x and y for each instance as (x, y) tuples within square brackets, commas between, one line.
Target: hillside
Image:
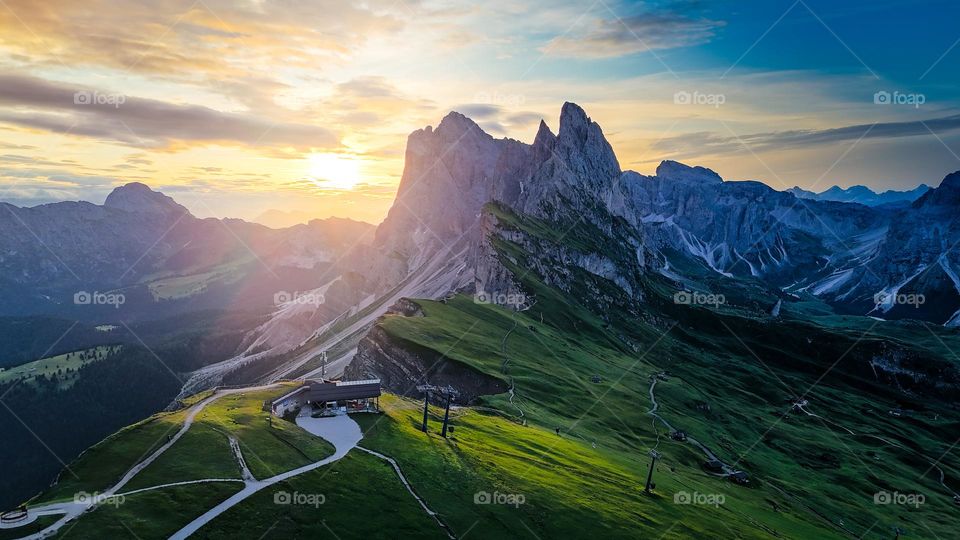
[(809, 477), (788, 401)]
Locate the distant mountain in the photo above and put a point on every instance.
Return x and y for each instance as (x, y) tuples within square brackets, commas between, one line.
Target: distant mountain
[(139, 198), (142, 244), (281, 219), (862, 195)]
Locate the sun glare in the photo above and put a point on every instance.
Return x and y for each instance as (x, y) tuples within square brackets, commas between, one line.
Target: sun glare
[(334, 171)]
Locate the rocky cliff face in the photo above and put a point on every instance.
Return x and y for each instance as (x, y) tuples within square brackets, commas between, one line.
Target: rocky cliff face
[(401, 366), (847, 253)]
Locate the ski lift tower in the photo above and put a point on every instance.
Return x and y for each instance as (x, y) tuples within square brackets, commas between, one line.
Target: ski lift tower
[(448, 393), (425, 389), (654, 456)]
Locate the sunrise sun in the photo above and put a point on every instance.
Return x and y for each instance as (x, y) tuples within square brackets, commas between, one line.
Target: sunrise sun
[(333, 171)]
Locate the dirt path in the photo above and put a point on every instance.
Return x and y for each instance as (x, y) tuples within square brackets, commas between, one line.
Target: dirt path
[(654, 407), (506, 361), (933, 464), (244, 470), (396, 467), (341, 431)]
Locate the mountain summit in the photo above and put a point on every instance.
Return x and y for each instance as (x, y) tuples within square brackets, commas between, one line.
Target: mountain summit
[(139, 198), (673, 170)]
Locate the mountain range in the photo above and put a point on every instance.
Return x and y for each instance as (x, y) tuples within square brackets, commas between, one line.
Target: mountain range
[(862, 195), (884, 260)]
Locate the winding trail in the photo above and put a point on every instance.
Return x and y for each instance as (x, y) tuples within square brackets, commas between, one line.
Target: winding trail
[(933, 464), (341, 431), (727, 469), (183, 483), (396, 467), (73, 509), (244, 470), (506, 362)]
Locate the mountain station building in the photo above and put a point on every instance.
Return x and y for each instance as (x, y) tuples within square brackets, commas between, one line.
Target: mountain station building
[(330, 397)]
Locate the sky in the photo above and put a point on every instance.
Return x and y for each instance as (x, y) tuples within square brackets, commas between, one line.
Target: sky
[(236, 107)]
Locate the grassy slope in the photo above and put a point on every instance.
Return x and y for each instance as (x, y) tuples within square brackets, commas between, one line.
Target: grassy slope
[(149, 515), (50, 366), (363, 498), (566, 476), (100, 466), (808, 476), (570, 489), (202, 452), (270, 446)]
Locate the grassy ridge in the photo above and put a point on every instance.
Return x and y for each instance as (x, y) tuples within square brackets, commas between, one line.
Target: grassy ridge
[(270, 445), (570, 488), (103, 464), (202, 452), (807, 475), (60, 365)]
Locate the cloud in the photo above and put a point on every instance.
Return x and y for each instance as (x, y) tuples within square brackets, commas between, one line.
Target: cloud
[(479, 111), (610, 38), (54, 107), (497, 119), (710, 143), (183, 38)]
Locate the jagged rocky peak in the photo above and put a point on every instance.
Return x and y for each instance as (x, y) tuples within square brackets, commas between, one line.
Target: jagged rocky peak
[(673, 170), (946, 194), (543, 143), (139, 198), (951, 181), (581, 143)]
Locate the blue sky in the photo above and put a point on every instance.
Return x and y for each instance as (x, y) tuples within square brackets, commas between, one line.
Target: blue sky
[(238, 107)]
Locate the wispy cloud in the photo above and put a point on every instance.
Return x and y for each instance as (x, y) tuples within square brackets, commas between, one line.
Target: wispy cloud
[(54, 107), (615, 36), (713, 143)]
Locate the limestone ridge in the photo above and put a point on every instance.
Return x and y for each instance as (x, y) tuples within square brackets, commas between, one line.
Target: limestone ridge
[(738, 229)]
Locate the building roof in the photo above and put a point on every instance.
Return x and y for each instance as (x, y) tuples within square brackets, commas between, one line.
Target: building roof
[(339, 390), (289, 394)]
